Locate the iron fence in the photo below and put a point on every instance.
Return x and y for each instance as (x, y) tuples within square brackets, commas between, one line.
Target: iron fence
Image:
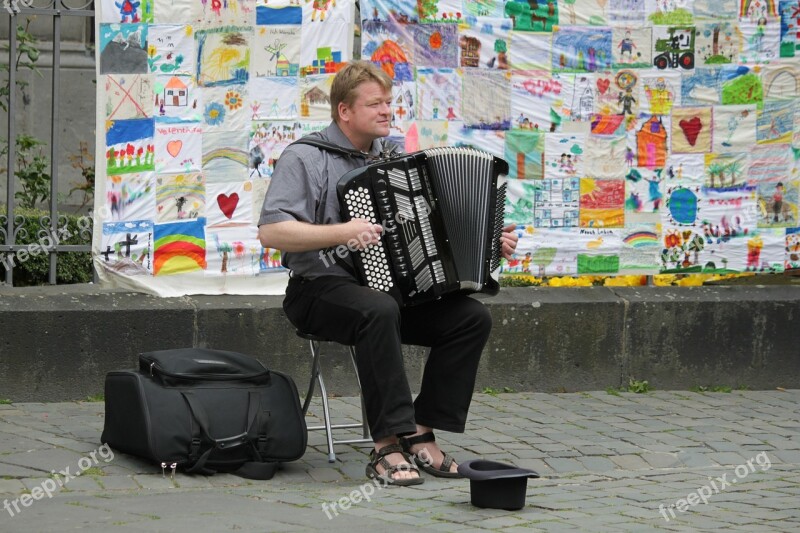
[(52, 227)]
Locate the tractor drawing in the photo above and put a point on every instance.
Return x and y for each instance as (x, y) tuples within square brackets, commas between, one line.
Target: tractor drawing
[(676, 50)]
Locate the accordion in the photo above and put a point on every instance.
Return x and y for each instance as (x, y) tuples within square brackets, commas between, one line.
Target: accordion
[(442, 215)]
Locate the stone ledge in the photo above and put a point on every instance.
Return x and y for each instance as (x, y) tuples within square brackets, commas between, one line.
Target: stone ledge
[(59, 342)]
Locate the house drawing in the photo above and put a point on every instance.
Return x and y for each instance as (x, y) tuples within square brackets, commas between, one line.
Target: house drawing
[(176, 93), (651, 144)]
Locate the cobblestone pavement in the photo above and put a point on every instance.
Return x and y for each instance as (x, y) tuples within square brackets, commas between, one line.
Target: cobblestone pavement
[(666, 460)]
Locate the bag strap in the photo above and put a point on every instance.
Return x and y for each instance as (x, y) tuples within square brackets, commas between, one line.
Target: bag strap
[(249, 469)]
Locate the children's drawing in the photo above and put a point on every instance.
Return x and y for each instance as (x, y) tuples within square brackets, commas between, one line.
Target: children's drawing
[(724, 171), (641, 247), (179, 247), (176, 100), (741, 85), (754, 9), (770, 163), (391, 46), (519, 201), (544, 252), (563, 155), (268, 139), (440, 11), (792, 257), (582, 101), (278, 12), (715, 9), (525, 153), (581, 49), (127, 247), (123, 49), (717, 42), (487, 92), (439, 93), (602, 203), (180, 196), (227, 108), (491, 141), (734, 128), (530, 51), (598, 250), (605, 156), (760, 39), (278, 98), (665, 12), (127, 11), (483, 8), (778, 203), (229, 204), (128, 96), (276, 51), (436, 45), (236, 252), (430, 134), (223, 56), (540, 101), (403, 11), (729, 214), (171, 49), (789, 11), (780, 80), (621, 11), (315, 98), (702, 86), (130, 146), (485, 43), (682, 249), (660, 91), (226, 156), (533, 15), (326, 34), (556, 203), (644, 195), (626, 88), (226, 13), (775, 121), (178, 148), (691, 130), (685, 169), (404, 107), (674, 47), (130, 196), (632, 46)]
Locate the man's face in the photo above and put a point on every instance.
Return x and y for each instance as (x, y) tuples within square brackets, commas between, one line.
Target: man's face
[(368, 117)]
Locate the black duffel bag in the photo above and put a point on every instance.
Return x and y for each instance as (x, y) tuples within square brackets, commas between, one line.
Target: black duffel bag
[(205, 411)]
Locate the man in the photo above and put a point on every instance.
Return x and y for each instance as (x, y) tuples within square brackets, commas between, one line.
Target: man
[(301, 218)]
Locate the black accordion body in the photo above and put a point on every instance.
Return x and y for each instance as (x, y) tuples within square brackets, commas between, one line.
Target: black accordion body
[(442, 214)]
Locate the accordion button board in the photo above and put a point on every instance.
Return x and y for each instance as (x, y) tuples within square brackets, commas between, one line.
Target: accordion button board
[(421, 199)]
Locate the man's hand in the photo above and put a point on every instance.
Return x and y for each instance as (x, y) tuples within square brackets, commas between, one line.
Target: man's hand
[(359, 233), (509, 240)]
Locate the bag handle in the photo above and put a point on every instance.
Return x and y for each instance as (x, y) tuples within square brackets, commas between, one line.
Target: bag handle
[(250, 469)]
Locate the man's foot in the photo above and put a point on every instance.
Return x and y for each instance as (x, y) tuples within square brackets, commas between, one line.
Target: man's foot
[(428, 456), (392, 466)]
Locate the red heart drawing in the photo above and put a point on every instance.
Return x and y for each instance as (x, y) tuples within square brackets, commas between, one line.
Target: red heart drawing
[(227, 204), (602, 85), (691, 128)]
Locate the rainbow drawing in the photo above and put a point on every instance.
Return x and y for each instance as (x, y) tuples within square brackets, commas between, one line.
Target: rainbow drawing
[(179, 247), (641, 239)]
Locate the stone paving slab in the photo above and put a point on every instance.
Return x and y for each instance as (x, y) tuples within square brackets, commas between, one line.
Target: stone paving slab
[(663, 461)]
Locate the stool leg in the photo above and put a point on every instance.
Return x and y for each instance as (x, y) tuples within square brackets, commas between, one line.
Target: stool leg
[(326, 417), (364, 423), (314, 374)]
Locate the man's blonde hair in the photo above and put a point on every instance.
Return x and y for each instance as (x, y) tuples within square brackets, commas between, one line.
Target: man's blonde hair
[(346, 82)]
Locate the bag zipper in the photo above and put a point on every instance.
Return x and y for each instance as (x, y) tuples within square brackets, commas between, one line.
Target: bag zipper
[(208, 377)]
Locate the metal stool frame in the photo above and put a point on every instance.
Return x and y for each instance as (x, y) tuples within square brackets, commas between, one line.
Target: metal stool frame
[(316, 377)]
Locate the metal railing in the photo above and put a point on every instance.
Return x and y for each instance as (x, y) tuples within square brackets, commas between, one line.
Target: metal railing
[(53, 226)]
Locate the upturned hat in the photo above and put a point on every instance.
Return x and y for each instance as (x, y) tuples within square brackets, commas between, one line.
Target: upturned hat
[(496, 485)]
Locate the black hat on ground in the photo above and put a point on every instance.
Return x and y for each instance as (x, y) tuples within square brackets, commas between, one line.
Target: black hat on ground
[(496, 485)]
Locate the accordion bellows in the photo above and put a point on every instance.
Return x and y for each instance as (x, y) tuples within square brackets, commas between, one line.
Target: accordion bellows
[(442, 213)]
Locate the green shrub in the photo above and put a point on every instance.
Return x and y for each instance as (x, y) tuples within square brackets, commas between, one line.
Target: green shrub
[(71, 267)]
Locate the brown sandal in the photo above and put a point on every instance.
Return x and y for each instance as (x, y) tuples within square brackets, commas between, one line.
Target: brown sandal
[(447, 461), (379, 458)]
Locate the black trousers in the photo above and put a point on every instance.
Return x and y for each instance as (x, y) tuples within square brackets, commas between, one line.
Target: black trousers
[(456, 329)]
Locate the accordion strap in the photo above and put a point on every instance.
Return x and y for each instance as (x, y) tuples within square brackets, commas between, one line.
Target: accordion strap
[(330, 147)]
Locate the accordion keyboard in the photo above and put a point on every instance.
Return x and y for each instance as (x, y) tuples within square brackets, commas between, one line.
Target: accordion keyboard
[(376, 264)]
